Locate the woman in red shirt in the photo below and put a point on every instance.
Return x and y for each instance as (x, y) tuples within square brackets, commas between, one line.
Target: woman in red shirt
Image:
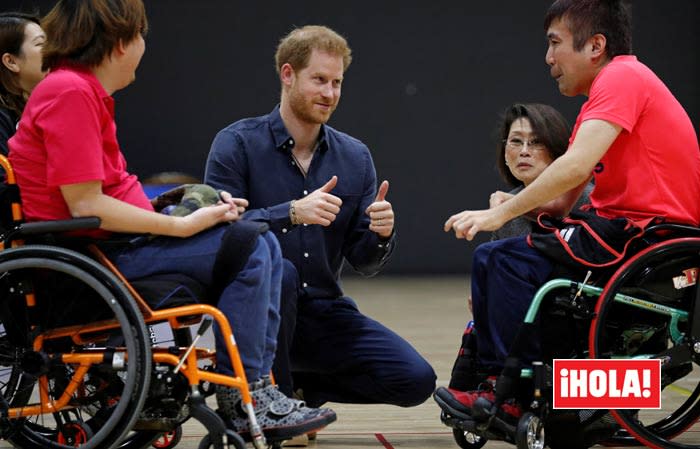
[(68, 163)]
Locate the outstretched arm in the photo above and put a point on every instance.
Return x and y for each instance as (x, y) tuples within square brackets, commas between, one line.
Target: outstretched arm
[(569, 173), (558, 207)]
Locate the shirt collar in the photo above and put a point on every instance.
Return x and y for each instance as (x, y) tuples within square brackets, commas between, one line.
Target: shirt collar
[(283, 140), (85, 73), (625, 58)]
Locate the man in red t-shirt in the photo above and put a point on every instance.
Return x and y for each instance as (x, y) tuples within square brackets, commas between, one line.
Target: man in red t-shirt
[(632, 135)]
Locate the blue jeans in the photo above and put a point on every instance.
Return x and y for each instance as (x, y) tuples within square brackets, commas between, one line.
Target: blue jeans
[(506, 274), (251, 302)]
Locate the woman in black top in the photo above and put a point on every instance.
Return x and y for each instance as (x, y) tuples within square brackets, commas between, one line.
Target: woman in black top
[(21, 41), (531, 136)]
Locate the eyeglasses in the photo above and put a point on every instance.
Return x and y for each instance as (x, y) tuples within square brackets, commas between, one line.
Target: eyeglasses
[(517, 144)]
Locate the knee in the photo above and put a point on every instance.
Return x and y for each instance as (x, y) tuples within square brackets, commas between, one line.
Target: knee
[(482, 253), (272, 243), (419, 385), (424, 384)]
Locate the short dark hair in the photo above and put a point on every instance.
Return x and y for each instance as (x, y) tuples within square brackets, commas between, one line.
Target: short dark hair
[(12, 28), (296, 47), (548, 125), (586, 18), (85, 31)]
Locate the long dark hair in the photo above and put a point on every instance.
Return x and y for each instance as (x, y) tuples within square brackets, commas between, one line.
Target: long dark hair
[(12, 27), (548, 125)]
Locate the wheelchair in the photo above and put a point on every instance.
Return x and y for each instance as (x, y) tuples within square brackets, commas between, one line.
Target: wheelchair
[(648, 308), (77, 363)]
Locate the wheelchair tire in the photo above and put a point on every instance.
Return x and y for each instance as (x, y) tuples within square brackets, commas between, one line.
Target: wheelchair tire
[(140, 439), (641, 277), (530, 432), (470, 441), (109, 394), (143, 439)]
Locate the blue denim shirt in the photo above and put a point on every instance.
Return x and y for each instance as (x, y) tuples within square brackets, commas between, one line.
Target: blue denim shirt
[(252, 159)]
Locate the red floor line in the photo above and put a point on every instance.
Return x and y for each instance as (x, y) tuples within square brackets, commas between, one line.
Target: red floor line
[(384, 433), (383, 440), (338, 434)]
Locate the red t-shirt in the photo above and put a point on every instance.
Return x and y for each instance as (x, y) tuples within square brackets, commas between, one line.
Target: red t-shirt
[(653, 167), (67, 135)]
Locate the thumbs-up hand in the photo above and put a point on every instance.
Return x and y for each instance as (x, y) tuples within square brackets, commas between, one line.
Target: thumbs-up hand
[(318, 207), (381, 215)]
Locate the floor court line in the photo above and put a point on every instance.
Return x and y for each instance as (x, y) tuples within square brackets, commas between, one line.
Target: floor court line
[(350, 434), (383, 440)]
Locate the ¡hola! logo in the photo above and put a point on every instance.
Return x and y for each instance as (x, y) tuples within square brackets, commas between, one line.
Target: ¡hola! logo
[(607, 384)]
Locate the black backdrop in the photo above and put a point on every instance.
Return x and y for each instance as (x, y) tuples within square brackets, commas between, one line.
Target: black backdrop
[(427, 83)]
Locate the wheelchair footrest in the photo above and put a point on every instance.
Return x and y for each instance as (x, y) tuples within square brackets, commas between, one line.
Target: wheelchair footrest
[(496, 429)]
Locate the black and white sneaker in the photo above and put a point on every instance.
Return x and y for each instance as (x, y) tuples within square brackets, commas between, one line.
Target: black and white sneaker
[(280, 417)]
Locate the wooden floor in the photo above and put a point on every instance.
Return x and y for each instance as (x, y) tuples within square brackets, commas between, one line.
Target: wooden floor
[(430, 313)]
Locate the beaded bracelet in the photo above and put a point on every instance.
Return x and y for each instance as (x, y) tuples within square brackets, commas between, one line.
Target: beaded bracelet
[(293, 213)]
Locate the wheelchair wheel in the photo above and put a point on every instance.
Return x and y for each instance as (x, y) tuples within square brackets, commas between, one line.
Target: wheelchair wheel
[(143, 439), (75, 355), (468, 440), (662, 277), (529, 433), (140, 439), (15, 386), (168, 440)]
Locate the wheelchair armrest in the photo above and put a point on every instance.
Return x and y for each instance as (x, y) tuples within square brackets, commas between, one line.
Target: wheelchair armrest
[(54, 226), (674, 228)]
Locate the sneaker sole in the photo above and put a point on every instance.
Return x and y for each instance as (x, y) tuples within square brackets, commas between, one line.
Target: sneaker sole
[(447, 403), (275, 434)]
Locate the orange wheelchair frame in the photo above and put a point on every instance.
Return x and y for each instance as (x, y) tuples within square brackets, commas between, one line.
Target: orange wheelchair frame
[(22, 421)]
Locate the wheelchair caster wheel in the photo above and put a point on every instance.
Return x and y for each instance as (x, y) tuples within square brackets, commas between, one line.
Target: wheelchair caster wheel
[(468, 440), (74, 433), (530, 432), (231, 441), (169, 439)]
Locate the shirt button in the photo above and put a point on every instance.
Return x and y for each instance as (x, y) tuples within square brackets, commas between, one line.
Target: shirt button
[(293, 163), (380, 245), (305, 224), (306, 192), (304, 285), (290, 142), (306, 254), (284, 230)]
